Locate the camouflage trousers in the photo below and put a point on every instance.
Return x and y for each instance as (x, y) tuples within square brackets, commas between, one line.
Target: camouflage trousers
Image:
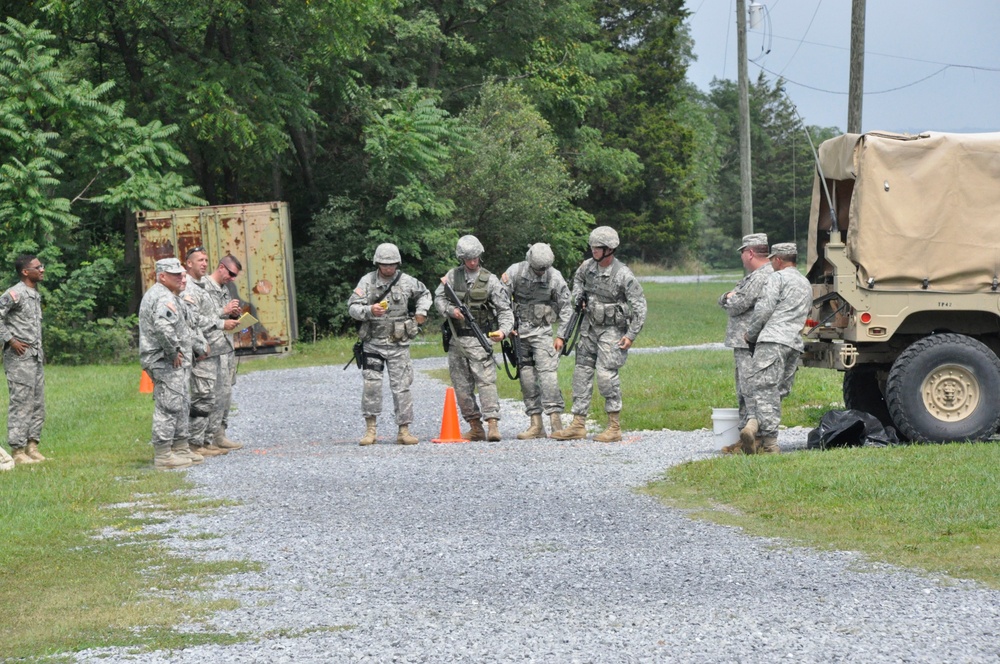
[(225, 378), (598, 354), (769, 381), (744, 366), (26, 410), (395, 360), (539, 376), (171, 405), (472, 369), (204, 381)]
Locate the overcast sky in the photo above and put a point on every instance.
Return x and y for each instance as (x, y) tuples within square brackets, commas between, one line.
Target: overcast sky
[(928, 65)]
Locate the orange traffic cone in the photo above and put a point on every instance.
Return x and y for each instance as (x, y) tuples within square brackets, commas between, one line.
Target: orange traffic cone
[(450, 432), (145, 384)]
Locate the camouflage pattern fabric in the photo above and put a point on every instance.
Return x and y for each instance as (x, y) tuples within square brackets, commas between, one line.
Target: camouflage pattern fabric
[(770, 380), (21, 319), (540, 301), (781, 309), (616, 307), (223, 347), (739, 305), (387, 339), (471, 367)]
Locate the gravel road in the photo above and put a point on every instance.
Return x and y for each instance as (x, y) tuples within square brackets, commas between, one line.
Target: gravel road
[(537, 551)]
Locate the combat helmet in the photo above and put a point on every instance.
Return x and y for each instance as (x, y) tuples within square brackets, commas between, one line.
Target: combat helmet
[(468, 248), (604, 236), (387, 253), (540, 256)]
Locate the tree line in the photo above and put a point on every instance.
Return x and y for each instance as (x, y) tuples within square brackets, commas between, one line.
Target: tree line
[(411, 121)]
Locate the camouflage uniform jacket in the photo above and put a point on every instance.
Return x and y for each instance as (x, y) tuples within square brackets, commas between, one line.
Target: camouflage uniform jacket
[(164, 330), (739, 305), (781, 309), (614, 297), (21, 317), (538, 301), (205, 314), (396, 326), (220, 296)]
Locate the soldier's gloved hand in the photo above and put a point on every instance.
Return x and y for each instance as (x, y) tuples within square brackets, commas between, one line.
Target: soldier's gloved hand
[(420, 318), (625, 343)]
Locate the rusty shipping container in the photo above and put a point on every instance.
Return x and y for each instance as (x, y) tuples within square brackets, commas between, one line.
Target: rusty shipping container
[(258, 235)]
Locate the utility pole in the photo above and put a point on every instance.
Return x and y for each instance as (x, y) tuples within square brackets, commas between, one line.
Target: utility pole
[(746, 191), (857, 84)]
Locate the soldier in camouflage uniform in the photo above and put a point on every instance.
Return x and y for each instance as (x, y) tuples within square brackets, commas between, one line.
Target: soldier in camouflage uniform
[(23, 362), (213, 321), (167, 344), (775, 332), (471, 366), (616, 312), (738, 304), (540, 298), (223, 346), (382, 303)]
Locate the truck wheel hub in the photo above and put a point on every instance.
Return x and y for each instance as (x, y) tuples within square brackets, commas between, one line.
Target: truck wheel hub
[(951, 392)]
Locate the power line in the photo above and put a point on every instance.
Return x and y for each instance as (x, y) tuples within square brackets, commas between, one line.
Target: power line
[(875, 92)]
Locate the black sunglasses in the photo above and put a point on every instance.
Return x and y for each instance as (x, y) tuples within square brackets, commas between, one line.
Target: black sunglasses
[(231, 273), (194, 250)]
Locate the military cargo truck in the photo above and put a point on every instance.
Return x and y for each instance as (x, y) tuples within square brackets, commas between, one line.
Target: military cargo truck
[(904, 258), (259, 236)]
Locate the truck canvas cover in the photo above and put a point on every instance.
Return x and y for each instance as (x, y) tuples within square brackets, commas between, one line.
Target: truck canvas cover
[(924, 210)]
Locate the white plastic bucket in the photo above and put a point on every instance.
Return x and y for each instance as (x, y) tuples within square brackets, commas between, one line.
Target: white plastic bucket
[(726, 425)]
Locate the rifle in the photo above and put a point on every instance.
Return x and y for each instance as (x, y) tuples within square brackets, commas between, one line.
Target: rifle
[(511, 347), (575, 323), (469, 320), (359, 345)]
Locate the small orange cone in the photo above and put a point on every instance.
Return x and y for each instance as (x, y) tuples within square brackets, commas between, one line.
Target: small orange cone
[(145, 384), (450, 432)]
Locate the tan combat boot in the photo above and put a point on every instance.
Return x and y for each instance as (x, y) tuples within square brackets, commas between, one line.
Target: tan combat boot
[(476, 431), (181, 449), (21, 457), (165, 459), (6, 461), (576, 430), (747, 435), (535, 430), (369, 437), (32, 451), (223, 443), (404, 437), (769, 445), (555, 422), (492, 430), (614, 431)]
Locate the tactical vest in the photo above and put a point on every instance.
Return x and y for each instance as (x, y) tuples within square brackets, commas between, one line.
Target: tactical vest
[(533, 298), (383, 327), (477, 298), (605, 305)]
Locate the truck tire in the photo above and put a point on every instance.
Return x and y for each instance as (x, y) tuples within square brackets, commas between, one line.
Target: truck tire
[(863, 392), (944, 388)]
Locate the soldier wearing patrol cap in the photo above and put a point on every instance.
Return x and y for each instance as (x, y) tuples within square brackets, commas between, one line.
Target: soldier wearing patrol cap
[(616, 312), (471, 366), (167, 345), (23, 362), (540, 297), (382, 303), (738, 305), (775, 330)]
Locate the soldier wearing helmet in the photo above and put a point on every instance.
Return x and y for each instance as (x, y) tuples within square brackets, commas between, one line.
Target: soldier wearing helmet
[(616, 312), (472, 368), (540, 297), (383, 302)]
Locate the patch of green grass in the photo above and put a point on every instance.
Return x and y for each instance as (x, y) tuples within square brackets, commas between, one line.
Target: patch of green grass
[(63, 587), (933, 507)]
